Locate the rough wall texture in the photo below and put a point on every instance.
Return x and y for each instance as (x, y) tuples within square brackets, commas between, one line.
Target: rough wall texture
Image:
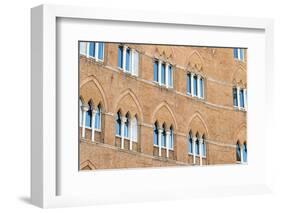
[(214, 116)]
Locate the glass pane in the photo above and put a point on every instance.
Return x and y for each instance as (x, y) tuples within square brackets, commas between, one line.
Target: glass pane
[(195, 85), (171, 139), (163, 139), (241, 54), (190, 147), (88, 118), (241, 98), (155, 71), (238, 154), (128, 53), (201, 88), (244, 153), (120, 57), (163, 74), (83, 47), (97, 119), (170, 76), (188, 83), (92, 49), (197, 147), (155, 136), (100, 52)]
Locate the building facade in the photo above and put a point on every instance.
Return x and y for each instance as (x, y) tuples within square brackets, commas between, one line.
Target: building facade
[(156, 105)]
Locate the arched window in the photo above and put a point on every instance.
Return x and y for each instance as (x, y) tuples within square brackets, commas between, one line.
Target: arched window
[(163, 136), (195, 85), (238, 152), (89, 116), (126, 126), (163, 74), (80, 113), (203, 147), (155, 134), (190, 147), (98, 118), (197, 146), (135, 129), (118, 124), (171, 138), (245, 152)]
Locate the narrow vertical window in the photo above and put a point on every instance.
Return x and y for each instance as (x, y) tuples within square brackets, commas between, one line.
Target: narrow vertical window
[(203, 146), (244, 152), (195, 85), (163, 74), (188, 83), (155, 134), (235, 101), (120, 56), (201, 88), (155, 70), (163, 137), (170, 76), (92, 48), (238, 152), (135, 129), (190, 146), (197, 146), (126, 127), (89, 116), (127, 65), (83, 47), (241, 53), (100, 50), (118, 124), (171, 138), (235, 53), (241, 94), (98, 118)]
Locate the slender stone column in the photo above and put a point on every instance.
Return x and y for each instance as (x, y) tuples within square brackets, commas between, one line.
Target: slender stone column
[(191, 84), (131, 134), (194, 151), (123, 120), (85, 108), (124, 58), (96, 50), (166, 75), (198, 86), (201, 150), (93, 125), (160, 130), (167, 143)]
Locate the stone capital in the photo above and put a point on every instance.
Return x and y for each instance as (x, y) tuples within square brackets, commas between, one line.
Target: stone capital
[(84, 108)]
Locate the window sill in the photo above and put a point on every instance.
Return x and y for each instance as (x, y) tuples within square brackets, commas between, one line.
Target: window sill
[(170, 149)]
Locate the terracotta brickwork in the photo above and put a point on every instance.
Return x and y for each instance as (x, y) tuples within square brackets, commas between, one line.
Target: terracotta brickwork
[(213, 117)]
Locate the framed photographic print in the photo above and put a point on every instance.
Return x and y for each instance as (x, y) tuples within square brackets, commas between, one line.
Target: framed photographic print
[(148, 106)]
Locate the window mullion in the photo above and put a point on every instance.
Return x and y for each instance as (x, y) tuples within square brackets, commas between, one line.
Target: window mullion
[(96, 50)]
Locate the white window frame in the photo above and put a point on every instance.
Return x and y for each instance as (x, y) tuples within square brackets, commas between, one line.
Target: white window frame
[(166, 71), (95, 57), (132, 65)]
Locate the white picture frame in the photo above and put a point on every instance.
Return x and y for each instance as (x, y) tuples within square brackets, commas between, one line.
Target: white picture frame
[(48, 171)]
